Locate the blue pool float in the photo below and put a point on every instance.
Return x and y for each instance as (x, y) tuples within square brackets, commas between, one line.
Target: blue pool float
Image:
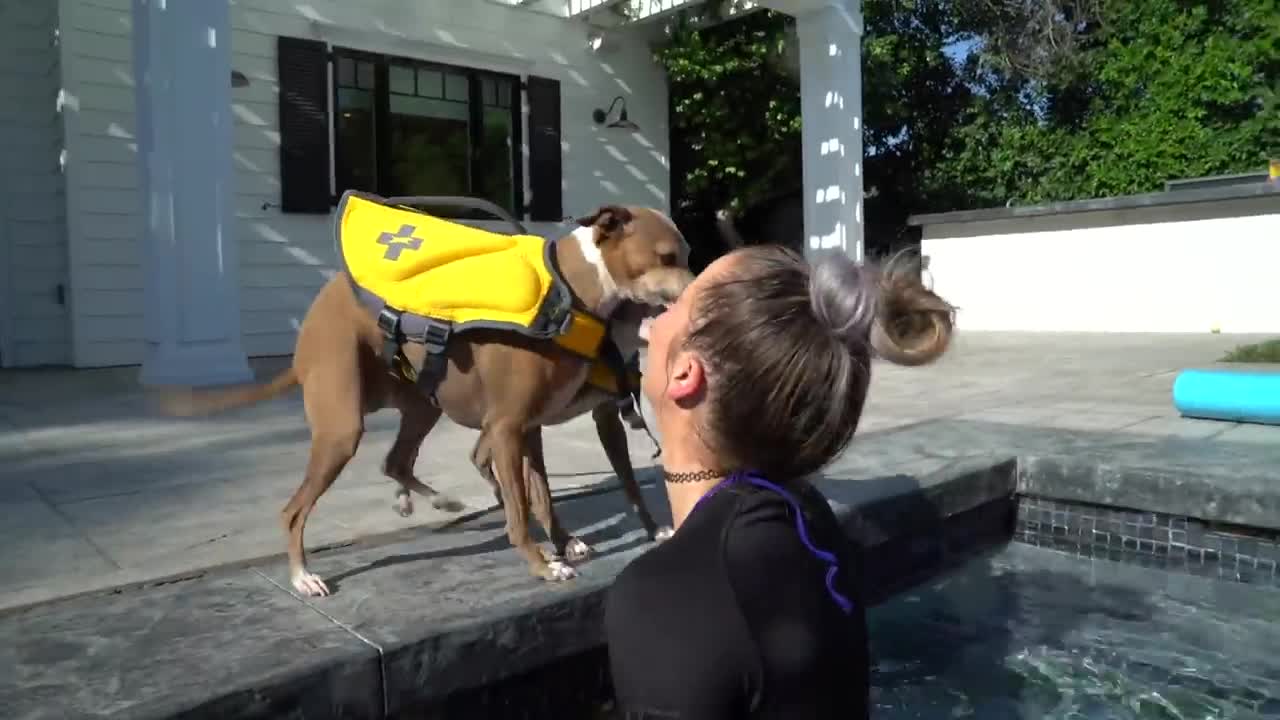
[(1234, 395)]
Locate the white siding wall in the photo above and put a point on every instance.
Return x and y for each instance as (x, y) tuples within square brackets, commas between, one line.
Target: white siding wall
[(1185, 268), (286, 258), (33, 239)]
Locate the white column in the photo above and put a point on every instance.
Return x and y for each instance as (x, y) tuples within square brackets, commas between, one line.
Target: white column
[(182, 71), (830, 38)]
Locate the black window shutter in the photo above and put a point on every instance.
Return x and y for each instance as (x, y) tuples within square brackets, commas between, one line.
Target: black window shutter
[(544, 150), (303, 73)]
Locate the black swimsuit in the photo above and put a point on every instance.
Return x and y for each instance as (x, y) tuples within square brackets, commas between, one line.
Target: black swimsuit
[(733, 617)]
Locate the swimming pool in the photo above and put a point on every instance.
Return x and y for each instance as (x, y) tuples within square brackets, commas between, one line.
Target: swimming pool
[(1027, 632)]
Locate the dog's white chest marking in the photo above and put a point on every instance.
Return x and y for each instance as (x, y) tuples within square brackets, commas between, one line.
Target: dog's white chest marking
[(586, 238)]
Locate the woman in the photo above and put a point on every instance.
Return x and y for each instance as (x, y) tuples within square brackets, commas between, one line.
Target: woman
[(757, 377)]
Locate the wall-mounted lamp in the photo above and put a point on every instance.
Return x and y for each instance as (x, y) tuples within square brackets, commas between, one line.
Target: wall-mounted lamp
[(622, 122), (595, 40), (239, 79)]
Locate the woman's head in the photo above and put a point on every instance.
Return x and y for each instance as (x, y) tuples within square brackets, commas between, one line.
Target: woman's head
[(764, 362)]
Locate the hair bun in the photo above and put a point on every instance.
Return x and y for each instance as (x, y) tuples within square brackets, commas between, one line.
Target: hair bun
[(885, 306), (844, 298)]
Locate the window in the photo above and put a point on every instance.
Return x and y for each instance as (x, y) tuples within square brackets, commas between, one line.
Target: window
[(404, 127)]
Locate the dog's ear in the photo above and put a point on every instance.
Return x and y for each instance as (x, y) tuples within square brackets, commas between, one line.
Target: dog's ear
[(607, 220)]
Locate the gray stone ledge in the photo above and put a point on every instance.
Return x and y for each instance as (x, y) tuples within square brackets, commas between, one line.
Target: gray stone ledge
[(1123, 202), (417, 620)]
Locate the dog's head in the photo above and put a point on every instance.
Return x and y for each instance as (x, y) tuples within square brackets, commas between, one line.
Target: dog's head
[(645, 257)]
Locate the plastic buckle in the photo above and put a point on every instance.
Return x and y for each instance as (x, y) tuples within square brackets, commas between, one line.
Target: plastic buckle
[(389, 322), (435, 338)]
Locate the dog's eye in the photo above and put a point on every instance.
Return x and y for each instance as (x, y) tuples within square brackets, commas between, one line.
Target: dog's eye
[(668, 259)]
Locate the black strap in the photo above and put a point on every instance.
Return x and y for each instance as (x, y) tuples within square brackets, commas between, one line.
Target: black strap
[(628, 401), (389, 324), (435, 339)]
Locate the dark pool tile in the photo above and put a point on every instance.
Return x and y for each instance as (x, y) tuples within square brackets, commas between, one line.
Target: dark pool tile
[(1228, 545), (1247, 547), (1268, 551), (1195, 533)]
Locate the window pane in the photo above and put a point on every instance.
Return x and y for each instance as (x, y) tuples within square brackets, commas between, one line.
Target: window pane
[(489, 91), (401, 79), (364, 75), (430, 141), (504, 93), (430, 83), (427, 107), (495, 180), (346, 71), (456, 87), (354, 160)]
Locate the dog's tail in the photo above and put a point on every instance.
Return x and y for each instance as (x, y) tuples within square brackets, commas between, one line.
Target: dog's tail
[(191, 402)]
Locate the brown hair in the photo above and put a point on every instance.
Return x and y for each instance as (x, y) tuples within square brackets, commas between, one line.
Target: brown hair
[(787, 348)]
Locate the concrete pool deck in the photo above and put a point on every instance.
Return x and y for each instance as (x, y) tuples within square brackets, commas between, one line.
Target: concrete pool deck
[(95, 494), (96, 490)]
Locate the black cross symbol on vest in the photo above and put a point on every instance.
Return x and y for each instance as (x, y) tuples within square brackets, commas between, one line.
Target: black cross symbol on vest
[(394, 244)]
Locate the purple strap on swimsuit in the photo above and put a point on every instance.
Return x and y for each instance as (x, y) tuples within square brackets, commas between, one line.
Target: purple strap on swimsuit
[(819, 553)]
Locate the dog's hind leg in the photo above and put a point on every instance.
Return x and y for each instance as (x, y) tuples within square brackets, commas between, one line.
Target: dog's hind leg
[(333, 409), (417, 418), (535, 477), (482, 459), (613, 437)]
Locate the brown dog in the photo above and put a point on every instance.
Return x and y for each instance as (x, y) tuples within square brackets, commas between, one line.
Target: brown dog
[(501, 383)]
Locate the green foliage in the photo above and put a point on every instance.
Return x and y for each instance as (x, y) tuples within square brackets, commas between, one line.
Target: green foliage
[(1263, 352), (1160, 90), (1063, 100), (736, 107)]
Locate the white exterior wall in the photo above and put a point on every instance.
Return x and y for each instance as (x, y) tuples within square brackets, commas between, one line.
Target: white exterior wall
[(1183, 268), (33, 247), (285, 258)]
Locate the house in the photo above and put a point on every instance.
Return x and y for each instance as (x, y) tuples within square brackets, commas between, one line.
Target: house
[(171, 166)]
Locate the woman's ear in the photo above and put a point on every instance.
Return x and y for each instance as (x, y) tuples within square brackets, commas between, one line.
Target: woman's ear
[(686, 378)]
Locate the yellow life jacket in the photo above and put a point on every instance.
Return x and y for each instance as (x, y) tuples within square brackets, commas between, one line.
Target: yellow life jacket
[(428, 274)]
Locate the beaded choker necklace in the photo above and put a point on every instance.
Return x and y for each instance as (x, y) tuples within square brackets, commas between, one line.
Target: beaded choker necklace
[(693, 476)]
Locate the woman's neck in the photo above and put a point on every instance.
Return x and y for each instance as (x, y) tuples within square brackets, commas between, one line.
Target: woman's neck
[(689, 475), (683, 496)]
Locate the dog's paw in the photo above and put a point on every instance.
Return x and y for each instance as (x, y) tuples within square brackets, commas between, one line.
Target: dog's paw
[(447, 504), (576, 550), (403, 506), (310, 584), (663, 533), (559, 571)]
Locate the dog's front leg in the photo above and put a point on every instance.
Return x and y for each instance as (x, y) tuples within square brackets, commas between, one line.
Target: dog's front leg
[(613, 437), (504, 441), (566, 546)]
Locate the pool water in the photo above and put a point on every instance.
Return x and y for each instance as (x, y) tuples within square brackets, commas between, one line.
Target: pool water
[(1033, 633)]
